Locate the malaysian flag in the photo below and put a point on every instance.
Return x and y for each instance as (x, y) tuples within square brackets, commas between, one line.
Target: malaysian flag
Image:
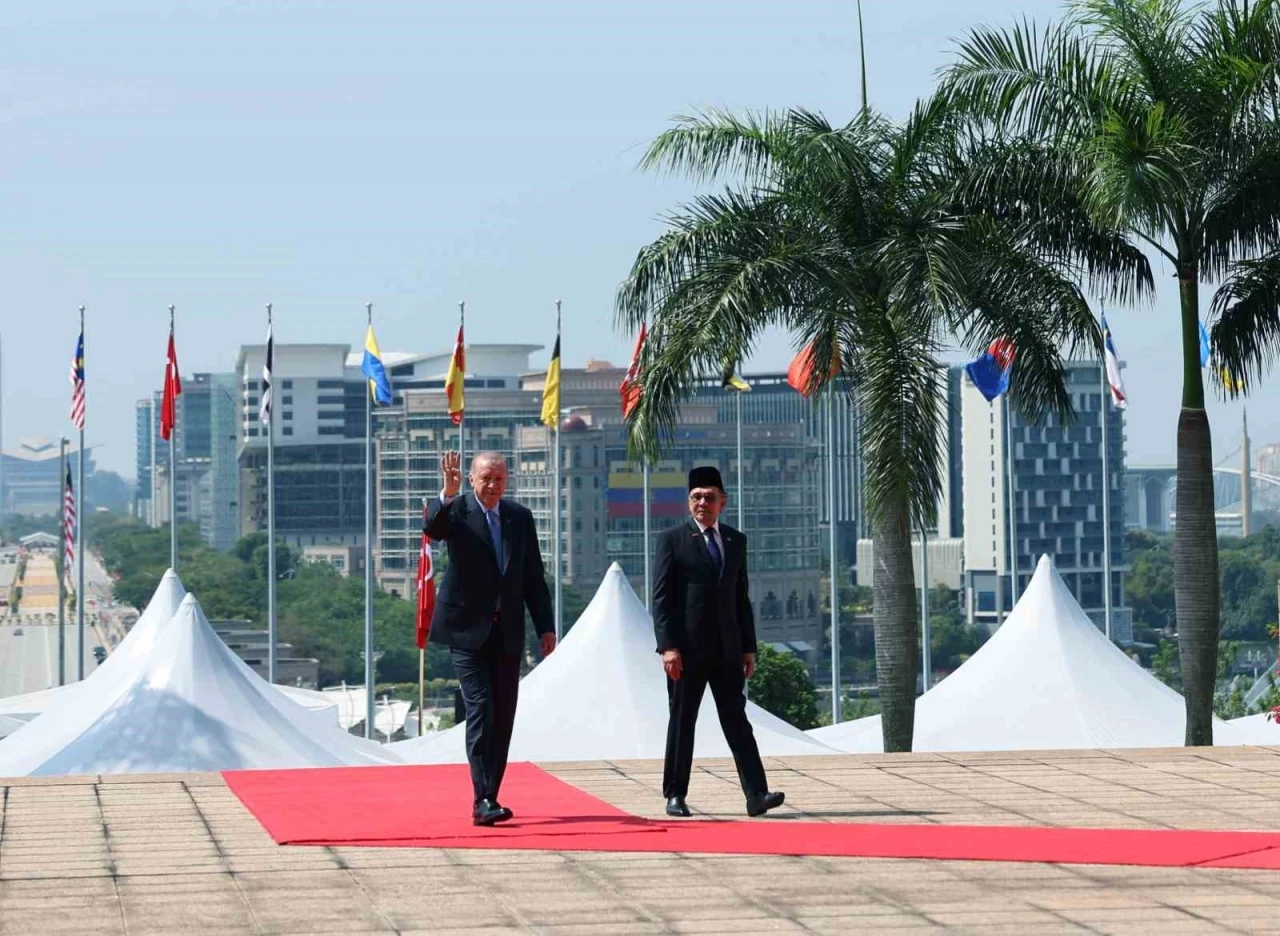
[(77, 384), (264, 408), (69, 524)]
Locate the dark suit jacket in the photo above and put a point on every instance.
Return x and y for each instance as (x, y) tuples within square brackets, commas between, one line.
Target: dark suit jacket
[(475, 585), (703, 613)]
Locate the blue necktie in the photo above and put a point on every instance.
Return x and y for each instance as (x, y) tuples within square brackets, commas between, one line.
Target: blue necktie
[(714, 548), (495, 533)]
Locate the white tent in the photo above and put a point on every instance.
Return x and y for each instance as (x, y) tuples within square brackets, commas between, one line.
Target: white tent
[(187, 704), (603, 696), (1047, 679), (1255, 729), (17, 710)]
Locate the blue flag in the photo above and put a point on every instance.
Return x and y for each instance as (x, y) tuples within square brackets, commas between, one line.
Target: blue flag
[(372, 368), (1204, 345), (990, 372)]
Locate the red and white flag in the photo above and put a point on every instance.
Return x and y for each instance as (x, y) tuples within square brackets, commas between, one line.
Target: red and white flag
[(69, 525), (172, 390), (631, 389), (426, 591), (77, 384)]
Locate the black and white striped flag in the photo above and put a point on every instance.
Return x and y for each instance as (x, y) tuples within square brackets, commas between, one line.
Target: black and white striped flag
[(264, 408)]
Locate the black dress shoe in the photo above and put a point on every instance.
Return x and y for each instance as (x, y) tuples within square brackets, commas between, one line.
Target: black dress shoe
[(506, 813), (487, 812), (677, 807), (761, 803)]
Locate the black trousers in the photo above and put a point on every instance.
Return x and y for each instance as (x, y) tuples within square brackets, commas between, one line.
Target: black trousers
[(685, 697), (489, 679)]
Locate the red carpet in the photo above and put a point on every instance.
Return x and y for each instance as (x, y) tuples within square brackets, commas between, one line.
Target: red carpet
[(429, 806)]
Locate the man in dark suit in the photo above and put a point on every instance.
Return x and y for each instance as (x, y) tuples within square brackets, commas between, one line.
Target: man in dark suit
[(706, 634), (494, 573)]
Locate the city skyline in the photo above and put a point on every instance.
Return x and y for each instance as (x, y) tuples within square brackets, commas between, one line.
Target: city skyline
[(143, 172)]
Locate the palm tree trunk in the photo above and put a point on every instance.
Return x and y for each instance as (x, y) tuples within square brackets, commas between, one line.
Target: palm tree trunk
[(1195, 534), (894, 603)]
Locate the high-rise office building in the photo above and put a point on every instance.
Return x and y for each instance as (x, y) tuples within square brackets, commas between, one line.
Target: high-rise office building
[(320, 430), (207, 481), (1057, 500)]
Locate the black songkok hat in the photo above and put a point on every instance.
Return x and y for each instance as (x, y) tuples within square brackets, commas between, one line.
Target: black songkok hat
[(704, 477)]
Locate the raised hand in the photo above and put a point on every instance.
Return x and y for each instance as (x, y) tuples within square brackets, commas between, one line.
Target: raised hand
[(451, 473)]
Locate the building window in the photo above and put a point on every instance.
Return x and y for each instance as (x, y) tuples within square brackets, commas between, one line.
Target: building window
[(251, 384), (330, 384), (287, 384), (331, 430), (287, 430), (253, 431), (288, 400), (288, 414)]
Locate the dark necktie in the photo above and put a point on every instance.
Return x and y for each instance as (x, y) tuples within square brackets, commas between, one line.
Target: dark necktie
[(713, 547)]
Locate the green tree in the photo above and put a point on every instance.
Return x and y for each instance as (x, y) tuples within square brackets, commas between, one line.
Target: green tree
[(1156, 120), (781, 685), (852, 239), (1166, 666)]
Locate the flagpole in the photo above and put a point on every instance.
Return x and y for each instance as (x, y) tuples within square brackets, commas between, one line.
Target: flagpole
[(368, 549), (62, 566), (462, 416), (555, 501), (926, 661), (152, 511), (272, 621), (173, 473), (835, 582), (1013, 504), (648, 570), (741, 501), (80, 515), (1105, 411)]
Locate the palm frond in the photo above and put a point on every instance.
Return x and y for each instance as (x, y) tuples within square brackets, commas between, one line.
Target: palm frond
[(1246, 334)]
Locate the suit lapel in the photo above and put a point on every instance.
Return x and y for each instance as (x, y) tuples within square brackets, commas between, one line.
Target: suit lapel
[(475, 520)]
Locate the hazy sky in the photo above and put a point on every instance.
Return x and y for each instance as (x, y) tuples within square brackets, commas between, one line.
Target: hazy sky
[(321, 155)]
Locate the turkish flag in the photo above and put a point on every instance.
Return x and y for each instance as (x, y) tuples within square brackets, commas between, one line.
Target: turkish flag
[(172, 390), (426, 591)]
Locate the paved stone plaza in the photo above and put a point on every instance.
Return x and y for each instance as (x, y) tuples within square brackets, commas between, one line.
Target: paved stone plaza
[(179, 854)]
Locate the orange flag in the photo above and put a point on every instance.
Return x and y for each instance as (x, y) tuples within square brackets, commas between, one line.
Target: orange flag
[(631, 390)]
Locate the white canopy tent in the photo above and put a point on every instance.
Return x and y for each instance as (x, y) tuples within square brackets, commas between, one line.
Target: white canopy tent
[(603, 696), (1256, 729), (17, 710), (185, 704), (1047, 679)]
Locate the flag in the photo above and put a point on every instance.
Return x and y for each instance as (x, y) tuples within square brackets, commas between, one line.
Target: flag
[(800, 371), (426, 591), (551, 390), (990, 372), (1114, 379), (731, 381), (172, 390), (264, 407), (631, 390), (69, 523), (1204, 345), (77, 384), (456, 378), (371, 367)]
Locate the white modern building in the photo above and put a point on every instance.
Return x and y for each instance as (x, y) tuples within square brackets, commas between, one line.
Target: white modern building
[(1056, 498)]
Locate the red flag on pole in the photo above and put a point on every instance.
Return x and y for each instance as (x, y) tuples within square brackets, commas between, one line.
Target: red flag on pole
[(800, 371), (172, 390), (631, 390), (426, 591)]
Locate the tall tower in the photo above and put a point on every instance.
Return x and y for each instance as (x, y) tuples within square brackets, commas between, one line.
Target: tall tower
[(1246, 485)]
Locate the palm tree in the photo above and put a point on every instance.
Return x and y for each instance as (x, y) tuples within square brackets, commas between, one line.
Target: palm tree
[(850, 239), (1159, 122)]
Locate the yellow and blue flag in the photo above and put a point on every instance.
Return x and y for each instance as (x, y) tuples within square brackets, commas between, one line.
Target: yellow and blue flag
[(371, 367)]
